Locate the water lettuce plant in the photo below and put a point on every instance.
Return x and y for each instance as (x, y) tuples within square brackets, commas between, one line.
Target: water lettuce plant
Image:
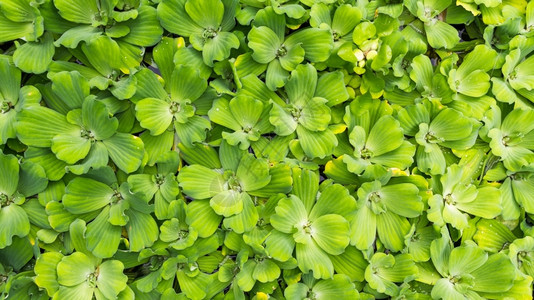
[(266, 149)]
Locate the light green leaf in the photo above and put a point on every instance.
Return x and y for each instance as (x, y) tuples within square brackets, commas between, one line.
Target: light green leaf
[(218, 48), (38, 125), (317, 144), (72, 37), (46, 271), (102, 238), (317, 43), (9, 177), (77, 11), (145, 30), (301, 86), (13, 222), (126, 151), (202, 217), (104, 54), (391, 230), (264, 43), (266, 271), (111, 281), (200, 182), (334, 199), (284, 124), (311, 258), (206, 13), (315, 115), (331, 232), (34, 57), (83, 195), (363, 228), (154, 115), (246, 219), (175, 19), (290, 212), (186, 84), (74, 269), (441, 34), (228, 203)]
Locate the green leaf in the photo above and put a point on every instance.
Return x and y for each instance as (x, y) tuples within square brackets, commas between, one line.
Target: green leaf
[(331, 87), (45, 269), (104, 54), (74, 269), (200, 182), (37, 126), (246, 219), (13, 222), (339, 287), (71, 87), (72, 37), (363, 228), (311, 258), (219, 47), (290, 212), (441, 35), (9, 177), (126, 151), (202, 217), (331, 232), (252, 173), (284, 124), (82, 291), (154, 115), (77, 11), (266, 271), (206, 13), (317, 144), (496, 275), (111, 281), (145, 30), (317, 43), (402, 199), (264, 43), (334, 199), (142, 230), (83, 195), (32, 179), (34, 57), (315, 115), (95, 117), (186, 84), (228, 203), (391, 230), (301, 86), (193, 131), (102, 237), (174, 18)]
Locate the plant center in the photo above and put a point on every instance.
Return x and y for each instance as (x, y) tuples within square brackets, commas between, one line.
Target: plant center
[(307, 227), (92, 277), (282, 51), (6, 106), (88, 135), (336, 35), (4, 200), (296, 113), (160, 179), (366, 153), (234, 184), (209, 33), (175, 107), (449, 199)]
